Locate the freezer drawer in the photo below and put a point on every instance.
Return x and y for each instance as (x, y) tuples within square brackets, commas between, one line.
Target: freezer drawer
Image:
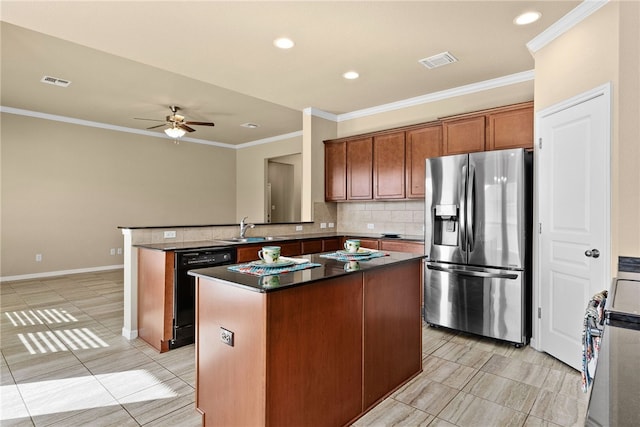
[(488, 302)]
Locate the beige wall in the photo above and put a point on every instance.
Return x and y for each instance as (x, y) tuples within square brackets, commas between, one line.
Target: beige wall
[(605, 47), (66, 188), (251, 175)]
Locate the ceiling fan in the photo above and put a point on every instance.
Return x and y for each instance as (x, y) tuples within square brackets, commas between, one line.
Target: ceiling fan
[(177, 125)]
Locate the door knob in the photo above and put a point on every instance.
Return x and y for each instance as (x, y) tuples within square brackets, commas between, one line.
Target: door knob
[(594, 253)]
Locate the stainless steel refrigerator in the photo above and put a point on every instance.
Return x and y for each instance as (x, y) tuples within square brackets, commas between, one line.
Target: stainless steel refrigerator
[(478, 212)]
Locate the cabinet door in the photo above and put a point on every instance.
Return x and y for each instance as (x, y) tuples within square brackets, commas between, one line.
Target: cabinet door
[(388, 166), (359, 169), (511, 129), (369, 243), (311, 246), (402, 246), (464, 135), (246, 253), (335, 171), (392, 329), (289, 248), (155, 297), (421, 144), (332, 244)]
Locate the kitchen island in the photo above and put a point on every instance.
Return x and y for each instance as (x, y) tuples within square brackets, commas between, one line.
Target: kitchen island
[(319, 346)]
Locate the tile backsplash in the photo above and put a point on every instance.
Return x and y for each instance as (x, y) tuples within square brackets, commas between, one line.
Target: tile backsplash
[(404, 218)]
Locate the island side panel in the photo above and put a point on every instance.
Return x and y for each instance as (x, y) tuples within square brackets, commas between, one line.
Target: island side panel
[(230, 380), (314, 356), (155, 297), (392, 328)]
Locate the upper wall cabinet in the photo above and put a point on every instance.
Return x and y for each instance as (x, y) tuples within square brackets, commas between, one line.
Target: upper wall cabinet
[(335, 171), (463, 135), (510, 128), (359, 169), (389, 166), (421, 144), (494, 129)]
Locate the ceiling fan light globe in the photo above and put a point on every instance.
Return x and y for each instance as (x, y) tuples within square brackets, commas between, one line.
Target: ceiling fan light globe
[(175, 132)]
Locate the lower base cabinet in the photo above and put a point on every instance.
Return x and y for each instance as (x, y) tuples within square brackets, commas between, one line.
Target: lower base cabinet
[(321, 354), (155, 297)]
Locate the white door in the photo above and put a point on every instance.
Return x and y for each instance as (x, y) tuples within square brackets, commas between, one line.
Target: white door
[(574, 215)]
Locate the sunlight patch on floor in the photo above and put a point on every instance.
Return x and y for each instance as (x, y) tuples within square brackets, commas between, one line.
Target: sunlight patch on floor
[(80, 393)]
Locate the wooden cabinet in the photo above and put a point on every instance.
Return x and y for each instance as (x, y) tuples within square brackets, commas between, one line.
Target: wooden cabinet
[(510, 128), (389, 166), (246, 253), (335, 171), (311, 246), (359, 169), (421, 144), (302, 356), (463, 135), (155, 297), (494, 129), (391, 330), (402, 246), (331, 244)]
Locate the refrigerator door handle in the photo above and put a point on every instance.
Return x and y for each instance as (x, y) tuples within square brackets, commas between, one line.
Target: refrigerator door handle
[(471, 196), (462, 228), (472, 273)]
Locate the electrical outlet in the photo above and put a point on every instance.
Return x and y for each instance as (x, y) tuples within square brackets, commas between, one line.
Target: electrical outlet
[(112, 251), (169, 234), (119, 251), (323, 225), (370, 226), (298, 228), (331, 225), (38, 257), (226, 336)]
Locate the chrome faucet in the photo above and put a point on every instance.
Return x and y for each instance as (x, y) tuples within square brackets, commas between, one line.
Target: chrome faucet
[(244, 226)]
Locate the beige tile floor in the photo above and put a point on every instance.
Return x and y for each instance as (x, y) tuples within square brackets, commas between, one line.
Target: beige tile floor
[(65, 363)]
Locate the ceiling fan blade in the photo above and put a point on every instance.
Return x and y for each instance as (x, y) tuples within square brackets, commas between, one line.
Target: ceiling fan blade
[(200, 123), (153, 120), (157, 126), (185, 127)]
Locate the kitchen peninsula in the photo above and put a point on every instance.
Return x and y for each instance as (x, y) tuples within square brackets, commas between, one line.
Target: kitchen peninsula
[(319, 346)]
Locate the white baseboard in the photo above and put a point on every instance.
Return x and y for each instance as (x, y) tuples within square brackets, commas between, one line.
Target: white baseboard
[(60, 273), (130, 334)]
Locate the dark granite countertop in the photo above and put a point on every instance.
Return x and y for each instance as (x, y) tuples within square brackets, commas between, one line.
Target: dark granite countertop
[(328, 269), (174, 246)]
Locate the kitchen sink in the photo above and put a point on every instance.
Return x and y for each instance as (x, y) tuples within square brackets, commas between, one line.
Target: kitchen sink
[(250, 239)]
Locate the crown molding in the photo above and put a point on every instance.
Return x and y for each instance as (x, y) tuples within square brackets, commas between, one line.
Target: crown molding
[(564, 24), (312, 111), (444, 94), (71, 120), (269, 140)]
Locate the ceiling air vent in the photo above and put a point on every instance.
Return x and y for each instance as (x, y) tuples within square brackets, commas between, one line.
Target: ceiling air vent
[(55, 81), (438, 60)]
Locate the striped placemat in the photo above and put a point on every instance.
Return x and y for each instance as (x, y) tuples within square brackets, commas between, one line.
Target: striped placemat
[(259, 270), (341, 256)]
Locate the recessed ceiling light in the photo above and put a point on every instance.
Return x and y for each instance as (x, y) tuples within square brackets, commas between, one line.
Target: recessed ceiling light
[(250, 125), (351, 75), (527, 18), (283, 43)]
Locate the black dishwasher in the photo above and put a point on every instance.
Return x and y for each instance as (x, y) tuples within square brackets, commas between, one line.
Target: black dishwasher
[(184, 290)]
